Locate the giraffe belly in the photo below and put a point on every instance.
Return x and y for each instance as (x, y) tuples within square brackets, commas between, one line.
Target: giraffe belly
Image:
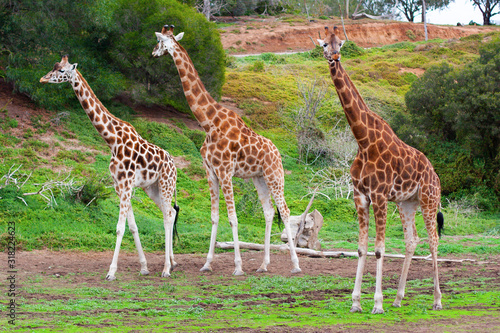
[(409, 194), (247, 171)]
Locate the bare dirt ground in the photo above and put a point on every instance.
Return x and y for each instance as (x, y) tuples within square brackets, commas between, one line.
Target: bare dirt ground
[(47, 264), (253, 35)]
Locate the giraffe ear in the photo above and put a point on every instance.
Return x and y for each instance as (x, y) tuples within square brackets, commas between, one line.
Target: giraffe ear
[(73, 67), (321, 42), (159, 35), (179, 36), (342, 43)]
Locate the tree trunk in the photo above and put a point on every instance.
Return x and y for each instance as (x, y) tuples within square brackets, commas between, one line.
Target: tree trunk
[(424, 19), (206, 9)]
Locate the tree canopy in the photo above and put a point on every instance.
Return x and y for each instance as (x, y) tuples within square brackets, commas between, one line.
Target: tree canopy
[(460, 106), (112, 41)]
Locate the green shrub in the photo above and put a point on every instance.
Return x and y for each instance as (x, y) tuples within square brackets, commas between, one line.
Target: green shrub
[(317, 52), (351, 50), (258, 66), (112, 42), (410, 34)]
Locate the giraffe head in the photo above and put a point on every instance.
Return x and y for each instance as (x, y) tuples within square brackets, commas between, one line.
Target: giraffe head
[(62, 72), (166, 41), (331, 44)]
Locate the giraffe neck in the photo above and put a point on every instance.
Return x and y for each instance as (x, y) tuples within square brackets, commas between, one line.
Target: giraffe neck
[(203, 106), (361, 119), (104, 122)]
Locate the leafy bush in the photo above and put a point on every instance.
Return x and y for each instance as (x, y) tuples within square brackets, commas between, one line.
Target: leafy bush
[(157, 80), (112, 42), (351, 50), (460, 106)]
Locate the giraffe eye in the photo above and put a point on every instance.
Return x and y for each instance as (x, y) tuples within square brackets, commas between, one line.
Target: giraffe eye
[(61, 70)]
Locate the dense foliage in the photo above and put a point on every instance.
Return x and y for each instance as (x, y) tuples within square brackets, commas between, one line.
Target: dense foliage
[(112, 41), (459, 108)]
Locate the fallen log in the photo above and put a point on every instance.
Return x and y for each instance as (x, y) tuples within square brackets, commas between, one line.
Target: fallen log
[(324, 254)]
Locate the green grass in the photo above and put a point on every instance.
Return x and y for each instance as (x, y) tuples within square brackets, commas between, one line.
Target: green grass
[(205, 303), (266, 97)]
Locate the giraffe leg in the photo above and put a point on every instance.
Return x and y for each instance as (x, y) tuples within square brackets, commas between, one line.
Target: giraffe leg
[(135, 233), (363, 209), (120, 229), (164, 204), (429, 215), (275, 185), (267, 205), (227, 190), (407, 212), (213, 184), (380, 212)]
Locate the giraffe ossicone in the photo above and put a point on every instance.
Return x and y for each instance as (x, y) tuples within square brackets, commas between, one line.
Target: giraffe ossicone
[(134, 163), (231, 149), (385, 169)]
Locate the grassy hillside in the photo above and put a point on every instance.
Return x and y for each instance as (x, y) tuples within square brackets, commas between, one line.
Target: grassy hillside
[(63, 146)]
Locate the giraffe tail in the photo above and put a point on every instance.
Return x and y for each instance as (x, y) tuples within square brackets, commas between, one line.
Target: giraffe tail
[(177, 209), (280, 221), (440, 223)]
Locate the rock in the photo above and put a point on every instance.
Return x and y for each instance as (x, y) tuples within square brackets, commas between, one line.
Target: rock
[(309, 237)]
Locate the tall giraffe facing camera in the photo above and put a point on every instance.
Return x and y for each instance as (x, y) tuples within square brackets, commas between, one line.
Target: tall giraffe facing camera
[(385, 169)]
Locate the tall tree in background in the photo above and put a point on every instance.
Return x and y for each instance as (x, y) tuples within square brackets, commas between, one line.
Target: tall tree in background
[(410, 8), (487, 8)]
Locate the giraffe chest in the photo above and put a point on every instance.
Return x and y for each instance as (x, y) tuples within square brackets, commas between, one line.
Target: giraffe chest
[(140, 167)]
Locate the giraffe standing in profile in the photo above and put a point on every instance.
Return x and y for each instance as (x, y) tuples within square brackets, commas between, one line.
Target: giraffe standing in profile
[(385, 169), (231, 149), (134, 163)]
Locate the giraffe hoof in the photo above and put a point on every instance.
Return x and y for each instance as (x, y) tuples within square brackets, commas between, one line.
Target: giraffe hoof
[(165, 275), (110, 277), (174, 265), (262, 270), (206, 269), (377, 311), (296, 270), (144, 272), (356, 309), (437, 307), (396, 305), (237, 272)]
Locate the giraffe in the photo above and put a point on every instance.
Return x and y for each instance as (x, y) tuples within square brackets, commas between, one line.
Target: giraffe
[(134, 163), (385, 169), (231, 149)]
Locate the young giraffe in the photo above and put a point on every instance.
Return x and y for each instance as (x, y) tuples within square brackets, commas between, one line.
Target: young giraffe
[(230, 149), (134, 163), (385, 169)]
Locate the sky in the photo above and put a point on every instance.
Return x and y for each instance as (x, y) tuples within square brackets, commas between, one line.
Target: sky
[(458, 11)]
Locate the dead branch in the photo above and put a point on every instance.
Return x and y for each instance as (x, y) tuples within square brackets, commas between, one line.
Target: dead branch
[(325, 254), (46, 190), (300, 229)]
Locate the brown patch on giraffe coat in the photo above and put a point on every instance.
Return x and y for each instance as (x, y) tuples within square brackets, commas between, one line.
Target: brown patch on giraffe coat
[(217, 121), (233, 134), (359, 131), (202, 100), (99, 128), (85, 104), (211, 112), (195, 90)]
